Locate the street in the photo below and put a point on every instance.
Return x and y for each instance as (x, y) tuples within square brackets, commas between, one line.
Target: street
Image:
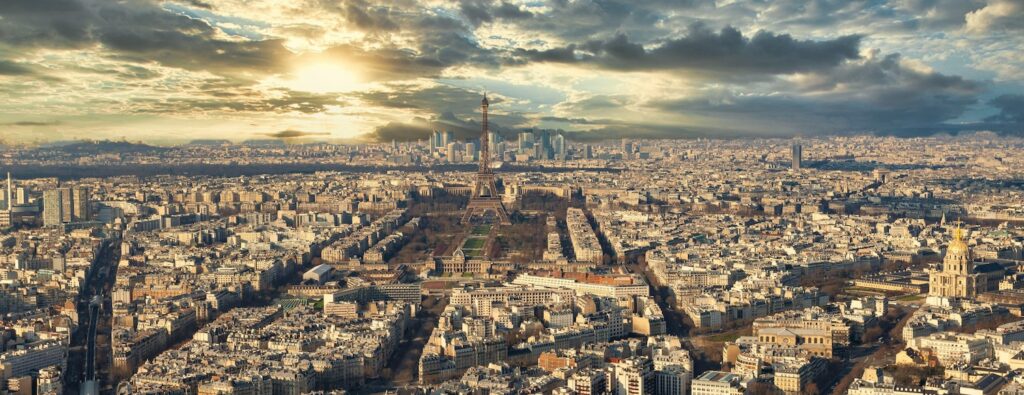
[(93, 304)]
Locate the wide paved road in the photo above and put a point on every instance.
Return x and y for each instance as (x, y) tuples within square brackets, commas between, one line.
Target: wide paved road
[(93, 306), (403, 367)]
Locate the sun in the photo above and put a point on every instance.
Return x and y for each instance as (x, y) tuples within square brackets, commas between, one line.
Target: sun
[(324, 77)]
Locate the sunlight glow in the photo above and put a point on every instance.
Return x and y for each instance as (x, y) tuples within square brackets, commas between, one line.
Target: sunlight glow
[(324, 77)]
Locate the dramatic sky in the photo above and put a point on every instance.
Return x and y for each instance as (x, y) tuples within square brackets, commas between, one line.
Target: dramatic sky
[(169, 71)]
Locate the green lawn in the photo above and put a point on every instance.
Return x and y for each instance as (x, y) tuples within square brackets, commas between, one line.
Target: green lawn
[(474, 243), (481, 230), (910, 297), (725, 337)]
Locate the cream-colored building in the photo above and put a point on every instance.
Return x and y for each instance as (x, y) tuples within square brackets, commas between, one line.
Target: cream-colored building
[(957, 278), (951, 348)]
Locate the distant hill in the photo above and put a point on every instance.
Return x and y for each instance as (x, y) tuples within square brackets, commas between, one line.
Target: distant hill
[(102, 147), (264, 143), (209, 142)]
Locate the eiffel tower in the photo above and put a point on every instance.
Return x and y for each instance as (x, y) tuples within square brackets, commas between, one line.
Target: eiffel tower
[(485, 196)]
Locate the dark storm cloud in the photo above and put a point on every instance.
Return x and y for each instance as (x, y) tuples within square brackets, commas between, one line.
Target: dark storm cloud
[(198, 4), (440, 42), (402, 131), (596, 104), (19, 69), (578, 121), (47, 23), (476, 11), (574, 21), (370, 17), (889, 73), (726, 51), (294, 134), (437, 98), (284, 101), (618, 130), (453, 109), (511, 11), (13, 68), (139, 31), (32, 123), (939, 14), (419, 128), (876, 95), (1011, 112)]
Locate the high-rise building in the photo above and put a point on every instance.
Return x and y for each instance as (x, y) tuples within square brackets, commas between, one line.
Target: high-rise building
[(57, 206), (798, 156), (9, 192), (80, 210), (558, 145), (435, 141), (543, 139), (525, 142), (52, 208), (493, 139), (8, 212), (452, 152), (21, 195), (627, 149), (472, 152), (66, 205), (447, 138)]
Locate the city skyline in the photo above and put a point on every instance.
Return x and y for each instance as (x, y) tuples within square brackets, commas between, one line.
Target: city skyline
[(167, 72)]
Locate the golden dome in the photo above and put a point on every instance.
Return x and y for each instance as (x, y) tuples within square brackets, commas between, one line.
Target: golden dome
[(957, 245)]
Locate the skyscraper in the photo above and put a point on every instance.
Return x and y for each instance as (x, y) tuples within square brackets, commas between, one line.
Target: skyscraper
[(9, 195), (493, 139), (472, 153), (452, 152), (53, 207), (543, 139), (21, 195), (447, 138), (435, 141), (798, 156), (8, 212), (66, 205), (558, 145), (80, 210)]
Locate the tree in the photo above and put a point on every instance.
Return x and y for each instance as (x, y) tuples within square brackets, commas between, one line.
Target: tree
[(873, 334), (761, 388)]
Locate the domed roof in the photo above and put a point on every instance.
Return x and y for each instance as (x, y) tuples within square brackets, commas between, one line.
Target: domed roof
[(957, 245)]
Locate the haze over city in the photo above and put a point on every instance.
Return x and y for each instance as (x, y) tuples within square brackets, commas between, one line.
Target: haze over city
[(166, 72)]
